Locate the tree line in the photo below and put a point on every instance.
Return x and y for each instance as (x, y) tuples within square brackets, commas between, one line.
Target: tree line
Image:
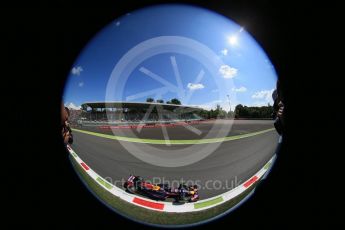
[(253, 112), (241, 111), (174, 101)]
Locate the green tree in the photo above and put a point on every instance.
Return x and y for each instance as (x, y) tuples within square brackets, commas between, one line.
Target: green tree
[(160, 101), (175, 101), (219, 112), (150, 99), (253, 112)]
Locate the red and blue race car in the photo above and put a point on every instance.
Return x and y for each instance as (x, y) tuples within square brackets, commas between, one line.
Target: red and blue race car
[(137, 185)]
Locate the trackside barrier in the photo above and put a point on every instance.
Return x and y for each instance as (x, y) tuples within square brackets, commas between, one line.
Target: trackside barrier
[(134, 124), (156, 125), (169, 206)]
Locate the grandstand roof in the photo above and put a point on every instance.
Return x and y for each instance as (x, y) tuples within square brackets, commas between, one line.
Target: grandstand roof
[(122, 104)]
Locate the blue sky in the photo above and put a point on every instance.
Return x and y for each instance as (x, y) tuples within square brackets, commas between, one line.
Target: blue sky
[(245, 64)]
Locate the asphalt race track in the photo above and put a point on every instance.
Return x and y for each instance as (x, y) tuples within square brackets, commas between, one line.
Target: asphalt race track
[(232, 163), (208, 129)]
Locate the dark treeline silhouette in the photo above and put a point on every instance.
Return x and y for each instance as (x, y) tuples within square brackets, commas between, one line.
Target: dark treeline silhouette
[(254, 112), (263, 112), (174, 101), (241, 111)]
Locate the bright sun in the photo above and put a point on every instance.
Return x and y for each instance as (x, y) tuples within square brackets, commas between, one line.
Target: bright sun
[(232, 40)]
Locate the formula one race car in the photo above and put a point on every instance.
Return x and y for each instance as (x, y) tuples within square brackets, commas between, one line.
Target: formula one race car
[(137, 185)]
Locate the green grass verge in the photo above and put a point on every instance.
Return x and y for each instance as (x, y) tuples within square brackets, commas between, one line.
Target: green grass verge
[(104, 183), (267, 165), (155, 217), (208, 203), (174, 142)]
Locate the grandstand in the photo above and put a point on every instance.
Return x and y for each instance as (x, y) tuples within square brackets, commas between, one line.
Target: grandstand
[(101, 113)]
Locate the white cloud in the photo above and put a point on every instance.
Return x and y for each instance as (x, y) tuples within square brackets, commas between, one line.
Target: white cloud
[(205, 106), (227, 71), (76, 70), (260, 103), (72, 106), (241, 89), (118, 23), (193, 86), (81, 84), (210, 105), (268, 64), (265, 95), (224, 104), (224, 52)]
